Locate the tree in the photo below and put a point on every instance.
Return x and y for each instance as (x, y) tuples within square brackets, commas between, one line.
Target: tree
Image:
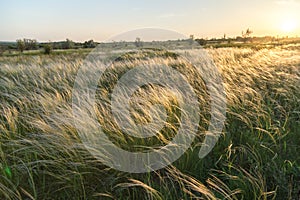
[(89, 44), (26, 44), (191, 37), (138, 42), (201, 41), (247, 34), (48, 48), (30, 44), (20, 45), (68, 44)]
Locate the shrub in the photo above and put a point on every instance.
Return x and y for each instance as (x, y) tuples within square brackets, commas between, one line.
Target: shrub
[(47, 49)]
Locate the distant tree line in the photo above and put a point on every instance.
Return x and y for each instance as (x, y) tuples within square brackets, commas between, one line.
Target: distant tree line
[(32, 44), (22, 45), (245, 37), (27, 44), (238, 39), (69, 44)]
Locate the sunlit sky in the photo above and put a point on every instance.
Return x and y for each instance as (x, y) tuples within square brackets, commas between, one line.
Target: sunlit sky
[(52, 20)]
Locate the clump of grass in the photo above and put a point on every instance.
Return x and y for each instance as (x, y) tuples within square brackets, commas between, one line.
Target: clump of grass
[(42, 155)]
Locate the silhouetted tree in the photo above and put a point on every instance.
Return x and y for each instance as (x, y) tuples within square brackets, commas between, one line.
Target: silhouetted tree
[(191, 39), (20, 45), (26, 44), (30, 44), (201, 41), (138, 42), (246, 35), (48, 48), (89, 44)]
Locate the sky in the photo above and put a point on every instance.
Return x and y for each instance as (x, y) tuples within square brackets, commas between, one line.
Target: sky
[(54, 20)]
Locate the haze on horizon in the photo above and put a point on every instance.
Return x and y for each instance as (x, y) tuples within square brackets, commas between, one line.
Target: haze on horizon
[(83, 20)]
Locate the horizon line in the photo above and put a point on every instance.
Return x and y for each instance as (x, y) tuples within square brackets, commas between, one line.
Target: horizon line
[(280, 36)]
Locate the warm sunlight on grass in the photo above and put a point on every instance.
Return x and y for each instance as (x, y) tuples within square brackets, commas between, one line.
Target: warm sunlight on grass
[(257, 156)]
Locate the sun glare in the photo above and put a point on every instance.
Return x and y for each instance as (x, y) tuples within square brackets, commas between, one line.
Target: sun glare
[(288, 26)]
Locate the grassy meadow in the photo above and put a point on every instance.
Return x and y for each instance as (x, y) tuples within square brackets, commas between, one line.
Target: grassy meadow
[(257, 156)]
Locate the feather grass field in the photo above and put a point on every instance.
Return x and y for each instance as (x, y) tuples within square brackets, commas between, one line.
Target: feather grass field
[(257, 156)]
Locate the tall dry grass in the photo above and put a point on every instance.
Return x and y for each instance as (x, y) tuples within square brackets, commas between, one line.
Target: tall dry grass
[(257, 157)]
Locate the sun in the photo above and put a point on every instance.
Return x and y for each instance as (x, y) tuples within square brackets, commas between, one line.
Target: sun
[(289, 26)]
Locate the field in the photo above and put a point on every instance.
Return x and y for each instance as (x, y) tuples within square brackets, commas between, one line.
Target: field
[(256, 157)]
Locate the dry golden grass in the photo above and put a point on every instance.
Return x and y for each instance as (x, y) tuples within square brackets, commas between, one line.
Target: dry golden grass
[(257, 157)]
